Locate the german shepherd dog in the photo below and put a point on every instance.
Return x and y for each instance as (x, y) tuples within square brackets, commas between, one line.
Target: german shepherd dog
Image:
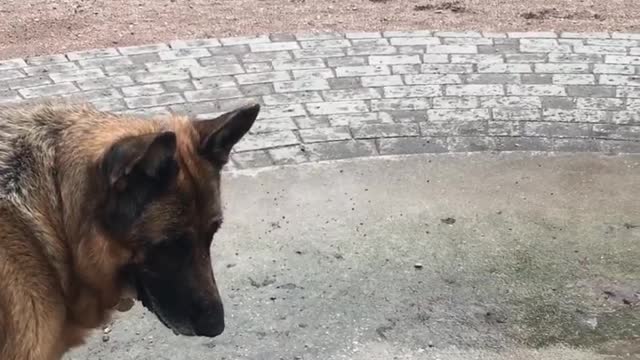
[(96, 208)]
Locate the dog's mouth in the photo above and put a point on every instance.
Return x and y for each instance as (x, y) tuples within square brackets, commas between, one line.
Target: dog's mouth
[(147, 301)]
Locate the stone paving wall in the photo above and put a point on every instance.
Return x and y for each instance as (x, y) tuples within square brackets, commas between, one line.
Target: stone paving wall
[(330, 96)]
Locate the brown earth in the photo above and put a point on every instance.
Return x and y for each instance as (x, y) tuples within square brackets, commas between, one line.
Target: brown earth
[(35, 27)]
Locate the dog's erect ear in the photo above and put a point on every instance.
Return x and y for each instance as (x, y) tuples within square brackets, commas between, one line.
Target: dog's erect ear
[(151, 156), (219, 135)]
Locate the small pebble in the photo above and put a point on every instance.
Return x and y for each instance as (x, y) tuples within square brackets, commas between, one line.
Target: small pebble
[(105, 338), (418, 266)]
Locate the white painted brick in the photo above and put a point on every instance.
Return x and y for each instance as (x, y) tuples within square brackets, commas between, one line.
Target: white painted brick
[(593, 49), (182, 64), (371, 131), (194, 43), (146, 78), (543, 45), (318, 35), (277, 46), (451, 49), (510, 101), (561, 68), (624, 80), (435, 58), (373, 70), (532, 34), (292, 98), (384, 80), (187, 53), (628, 91), (266, 77), (77, 75), (316, 135), (458, 114), (245, 40), (613, 69), (298, 64), (351, 94), (266, 140), (629, 36), (337, 107), (209, 71), (153, 101), (12, 64), (446, 68), (362, 35), (410, 41), (400, 104), (467, 41), (357, 119), (416, 33), (333, 43), (504, 68), (412, 91), (11, 74), (458, 34), (91, 54), (394, 59), (273, 124), (574, 79), (405, 69), (613, 42), (313, 74), (41, 60), (307, 84), (48, 90), (105, 82), (536, 90), (600, 103), (516, 114), (427, 79), (474, 90), (619, 59), (560, 115), (371, 50), (456, 102), (142, 90), (476, 58), (318, 53), (585, 35), (278, 111), (212, 94)]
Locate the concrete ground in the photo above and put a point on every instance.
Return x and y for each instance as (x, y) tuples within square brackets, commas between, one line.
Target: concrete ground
[(452, 256)]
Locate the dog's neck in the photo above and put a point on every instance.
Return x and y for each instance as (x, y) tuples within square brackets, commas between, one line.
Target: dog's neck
[(94, 256)]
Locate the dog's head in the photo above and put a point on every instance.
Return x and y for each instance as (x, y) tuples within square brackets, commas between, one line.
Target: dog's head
[(162, 203)]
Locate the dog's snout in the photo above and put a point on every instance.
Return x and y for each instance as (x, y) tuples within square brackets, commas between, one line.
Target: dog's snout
[(209, 321)]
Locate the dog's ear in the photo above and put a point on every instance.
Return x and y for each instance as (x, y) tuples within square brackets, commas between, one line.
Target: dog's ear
[(149, 157), (219, 135)]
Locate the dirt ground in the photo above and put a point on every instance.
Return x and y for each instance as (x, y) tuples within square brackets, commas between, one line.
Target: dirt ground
[(35, 27)]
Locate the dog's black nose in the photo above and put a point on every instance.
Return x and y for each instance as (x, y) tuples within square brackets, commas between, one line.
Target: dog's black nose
[(209, 329), (210, 323)]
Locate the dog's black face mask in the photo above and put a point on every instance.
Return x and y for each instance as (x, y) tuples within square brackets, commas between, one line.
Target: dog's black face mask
[(176, 283), (163, 203)]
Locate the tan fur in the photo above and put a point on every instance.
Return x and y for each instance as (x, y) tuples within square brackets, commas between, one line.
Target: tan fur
[(57, 269)]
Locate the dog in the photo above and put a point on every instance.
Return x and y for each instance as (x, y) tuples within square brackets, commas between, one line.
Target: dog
[(97, 208)]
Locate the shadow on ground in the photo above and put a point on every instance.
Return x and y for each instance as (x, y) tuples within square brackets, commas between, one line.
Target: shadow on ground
[(482, 256)]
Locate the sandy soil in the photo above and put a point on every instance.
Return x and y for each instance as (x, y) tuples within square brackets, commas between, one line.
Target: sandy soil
[(34, 27)]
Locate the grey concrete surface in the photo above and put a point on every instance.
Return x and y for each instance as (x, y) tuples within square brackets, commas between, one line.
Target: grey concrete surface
[(450, 256)]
